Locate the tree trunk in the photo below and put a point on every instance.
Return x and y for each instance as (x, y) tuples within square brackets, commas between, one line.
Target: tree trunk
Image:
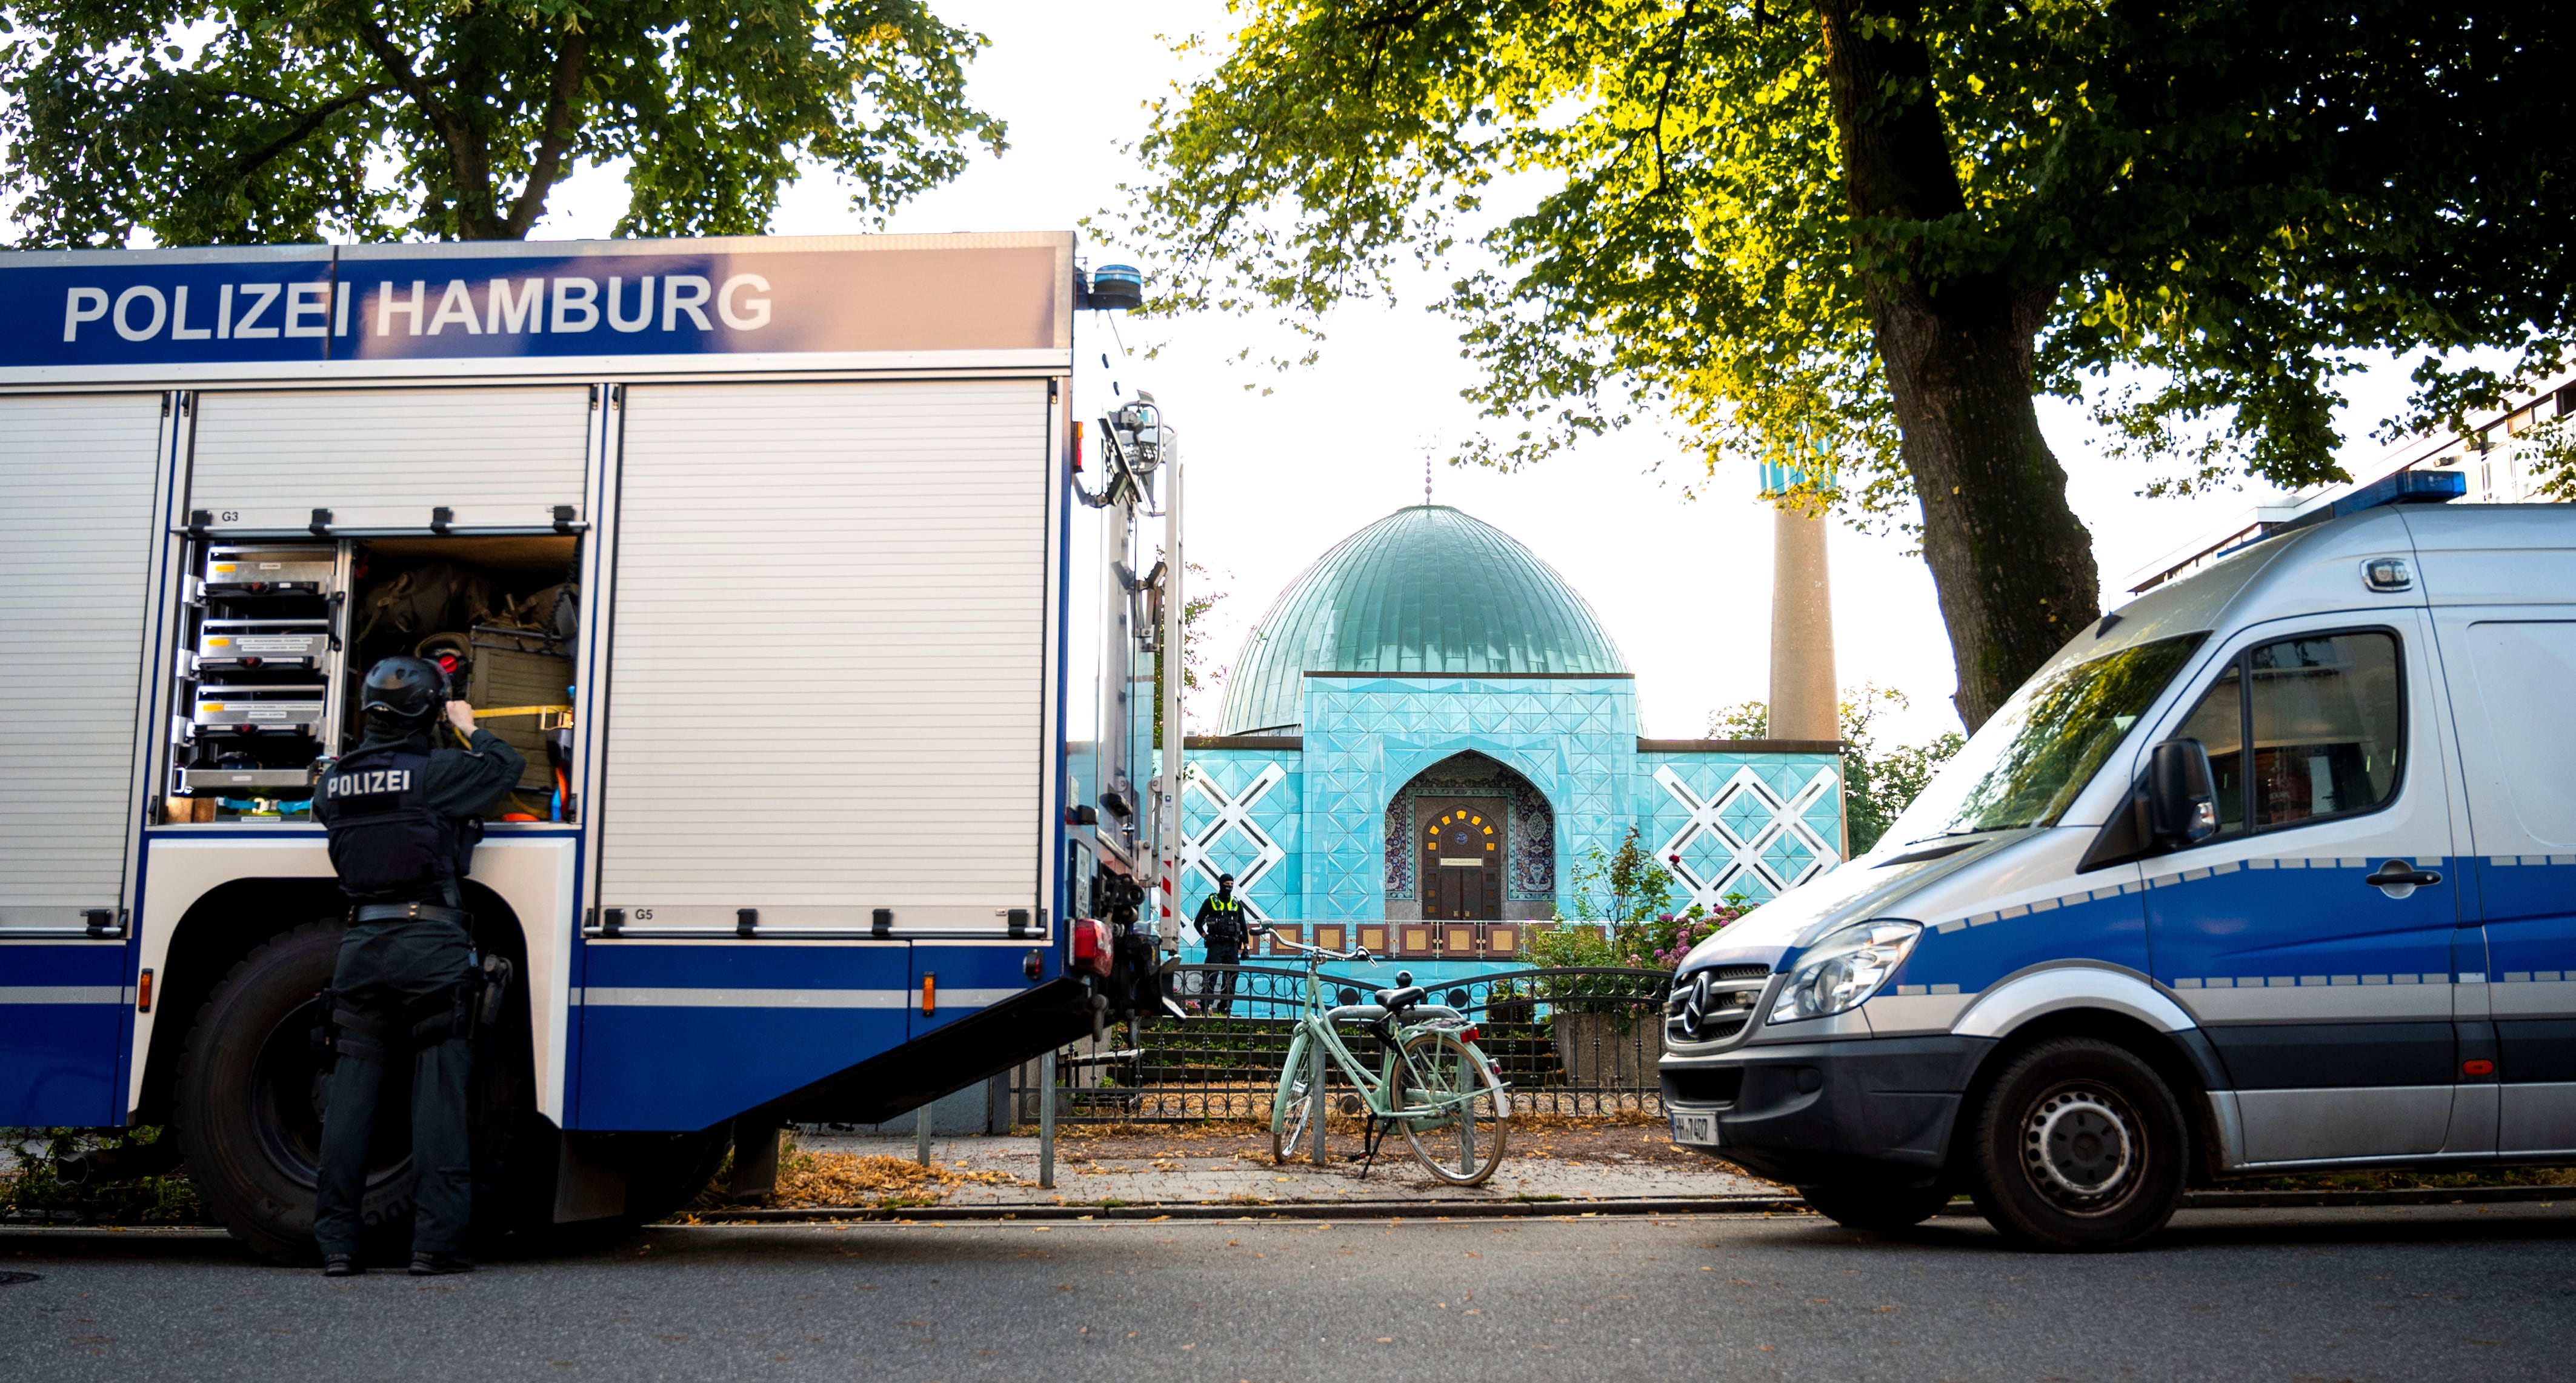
[(2012, 564)]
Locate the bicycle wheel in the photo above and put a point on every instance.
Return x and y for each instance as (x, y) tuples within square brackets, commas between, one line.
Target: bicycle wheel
[(1459, 1137), (1292, 1105)]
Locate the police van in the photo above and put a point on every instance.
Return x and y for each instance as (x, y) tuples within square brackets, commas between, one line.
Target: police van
[(780, 562), (2272, 869)]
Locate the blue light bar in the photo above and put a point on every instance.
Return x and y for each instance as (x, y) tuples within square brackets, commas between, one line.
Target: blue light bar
[(2405, 487)]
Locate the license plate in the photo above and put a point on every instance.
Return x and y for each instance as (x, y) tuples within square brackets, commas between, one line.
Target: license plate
[(1699, 1129)]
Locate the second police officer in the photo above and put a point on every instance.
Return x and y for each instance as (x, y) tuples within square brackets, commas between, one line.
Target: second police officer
[(1221, 924)]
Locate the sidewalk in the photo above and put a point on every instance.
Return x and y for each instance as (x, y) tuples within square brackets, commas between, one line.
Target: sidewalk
[(1145, 1170)]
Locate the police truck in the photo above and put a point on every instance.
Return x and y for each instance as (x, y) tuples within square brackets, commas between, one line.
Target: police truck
[(825, 631)]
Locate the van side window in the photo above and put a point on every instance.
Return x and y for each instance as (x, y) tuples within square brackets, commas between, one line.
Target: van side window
[(2327, 733), (2303, 729), (2219, 725)]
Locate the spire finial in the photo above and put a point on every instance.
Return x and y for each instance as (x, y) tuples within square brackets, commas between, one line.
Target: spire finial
[(1426, 480)]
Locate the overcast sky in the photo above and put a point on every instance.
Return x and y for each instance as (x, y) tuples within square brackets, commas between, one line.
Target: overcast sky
[(1684, 586)]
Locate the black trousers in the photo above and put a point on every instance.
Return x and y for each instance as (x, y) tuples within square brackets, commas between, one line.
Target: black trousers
[(1220, 985), (390, 975)]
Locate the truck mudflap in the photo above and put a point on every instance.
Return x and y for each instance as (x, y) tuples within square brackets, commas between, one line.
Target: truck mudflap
[(1814, 1111)]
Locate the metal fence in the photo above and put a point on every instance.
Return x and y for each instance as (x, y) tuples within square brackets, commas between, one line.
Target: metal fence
[(1569, 1041)]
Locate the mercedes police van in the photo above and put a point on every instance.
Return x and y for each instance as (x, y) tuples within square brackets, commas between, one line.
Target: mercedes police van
[(2272, 869)]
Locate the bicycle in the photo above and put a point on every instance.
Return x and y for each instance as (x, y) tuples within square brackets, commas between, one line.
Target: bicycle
[(1432, 1081)]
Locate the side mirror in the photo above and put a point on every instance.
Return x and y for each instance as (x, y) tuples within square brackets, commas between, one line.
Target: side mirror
[(2182, 794)]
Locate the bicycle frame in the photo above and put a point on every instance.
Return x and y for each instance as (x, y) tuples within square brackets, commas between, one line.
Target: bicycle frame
[(1316, 1024)]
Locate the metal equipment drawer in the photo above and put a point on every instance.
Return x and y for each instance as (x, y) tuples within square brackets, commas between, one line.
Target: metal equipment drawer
[(307, 569), (228, 644), (282, 710), (245, 781)]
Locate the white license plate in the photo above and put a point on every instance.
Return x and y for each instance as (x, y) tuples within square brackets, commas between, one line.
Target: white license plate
[(1699, 1129)]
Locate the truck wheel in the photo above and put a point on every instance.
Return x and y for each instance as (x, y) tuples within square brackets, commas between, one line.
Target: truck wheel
[(1878, 1207), (2078, 1146), (250, 1097)]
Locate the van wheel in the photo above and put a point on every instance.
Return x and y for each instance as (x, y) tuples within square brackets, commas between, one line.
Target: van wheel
[(2078, 1146), (1878, 1207), (250, 1097)]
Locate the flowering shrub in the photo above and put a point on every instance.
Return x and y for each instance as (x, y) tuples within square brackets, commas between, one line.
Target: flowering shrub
[(1671, 937)]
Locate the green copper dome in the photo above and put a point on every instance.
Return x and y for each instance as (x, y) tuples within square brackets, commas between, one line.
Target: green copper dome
[(1425, 589)]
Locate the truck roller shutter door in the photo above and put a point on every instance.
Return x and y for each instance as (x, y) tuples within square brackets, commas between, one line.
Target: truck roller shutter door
[(827, 656), (76, 535), (383, 458)]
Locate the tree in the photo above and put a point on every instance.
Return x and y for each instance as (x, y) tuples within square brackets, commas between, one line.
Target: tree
[(1878, 783), (1200, 596), (289, 120), (1876, 228)]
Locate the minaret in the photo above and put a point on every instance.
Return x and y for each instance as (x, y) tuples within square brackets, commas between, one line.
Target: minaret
[(1803, 690)]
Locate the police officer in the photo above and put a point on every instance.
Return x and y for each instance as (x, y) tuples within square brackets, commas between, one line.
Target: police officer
[(1220, 924), (401, 812)]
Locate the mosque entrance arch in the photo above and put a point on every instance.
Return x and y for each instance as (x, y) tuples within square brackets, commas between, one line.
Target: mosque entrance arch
[(1470, 856)]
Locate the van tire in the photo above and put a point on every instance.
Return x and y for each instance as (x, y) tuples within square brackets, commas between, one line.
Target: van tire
[(2078, 1146), (1875, 1207)]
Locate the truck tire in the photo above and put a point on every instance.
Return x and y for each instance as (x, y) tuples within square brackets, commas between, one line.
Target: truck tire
[(249, 1114), (250, 1097), (2078, 1146), (1877, 1207)]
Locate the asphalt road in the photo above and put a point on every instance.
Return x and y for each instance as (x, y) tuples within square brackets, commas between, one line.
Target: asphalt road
[(2415, 1294)]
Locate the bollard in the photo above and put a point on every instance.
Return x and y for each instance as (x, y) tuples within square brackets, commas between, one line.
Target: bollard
[(921, 1134), (1046, 1121)]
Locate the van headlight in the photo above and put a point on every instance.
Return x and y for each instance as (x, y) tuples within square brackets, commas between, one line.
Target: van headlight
[(1844, 969)]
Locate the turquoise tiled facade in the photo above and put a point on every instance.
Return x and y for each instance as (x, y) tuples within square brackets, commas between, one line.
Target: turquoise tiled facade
[(1432, 644)]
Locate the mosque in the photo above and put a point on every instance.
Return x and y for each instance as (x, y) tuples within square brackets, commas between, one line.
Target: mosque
[(1428, 733)]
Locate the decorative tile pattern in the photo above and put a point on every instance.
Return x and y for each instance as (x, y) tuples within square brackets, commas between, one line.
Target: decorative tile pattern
[(1747, 826), (1308, 834)]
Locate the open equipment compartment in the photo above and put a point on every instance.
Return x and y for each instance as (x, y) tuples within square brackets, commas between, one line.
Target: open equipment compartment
[(278, 636), (502, 615)]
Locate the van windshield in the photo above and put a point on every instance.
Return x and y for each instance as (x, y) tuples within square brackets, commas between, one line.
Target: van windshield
[(2026, 764)]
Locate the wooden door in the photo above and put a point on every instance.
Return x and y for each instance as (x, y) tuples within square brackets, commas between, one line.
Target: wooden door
[(1462, 860)]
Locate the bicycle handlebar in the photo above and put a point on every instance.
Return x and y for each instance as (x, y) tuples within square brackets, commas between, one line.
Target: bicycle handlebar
[(1356, 954)]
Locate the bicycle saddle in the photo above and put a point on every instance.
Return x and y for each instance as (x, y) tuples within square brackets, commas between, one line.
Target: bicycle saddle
[(1398, 1000)]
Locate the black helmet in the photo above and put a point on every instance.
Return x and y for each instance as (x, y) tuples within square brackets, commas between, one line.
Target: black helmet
[(404, 691)]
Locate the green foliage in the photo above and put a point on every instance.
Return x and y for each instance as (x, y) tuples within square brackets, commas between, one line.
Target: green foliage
[(291, 120), (1200, 595), (1622, 888), (2232, 195), (116, 1177), (1568, 945), (1879, 782)]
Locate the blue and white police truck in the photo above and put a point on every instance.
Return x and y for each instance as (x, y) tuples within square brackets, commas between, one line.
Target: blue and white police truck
[(2272, 869), (777, 558)]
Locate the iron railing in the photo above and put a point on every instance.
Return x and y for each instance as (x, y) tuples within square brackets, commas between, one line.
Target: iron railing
[(1569, 1041)]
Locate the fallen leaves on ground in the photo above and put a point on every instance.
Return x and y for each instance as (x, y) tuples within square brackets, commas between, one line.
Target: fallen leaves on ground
[(838, 1179)]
